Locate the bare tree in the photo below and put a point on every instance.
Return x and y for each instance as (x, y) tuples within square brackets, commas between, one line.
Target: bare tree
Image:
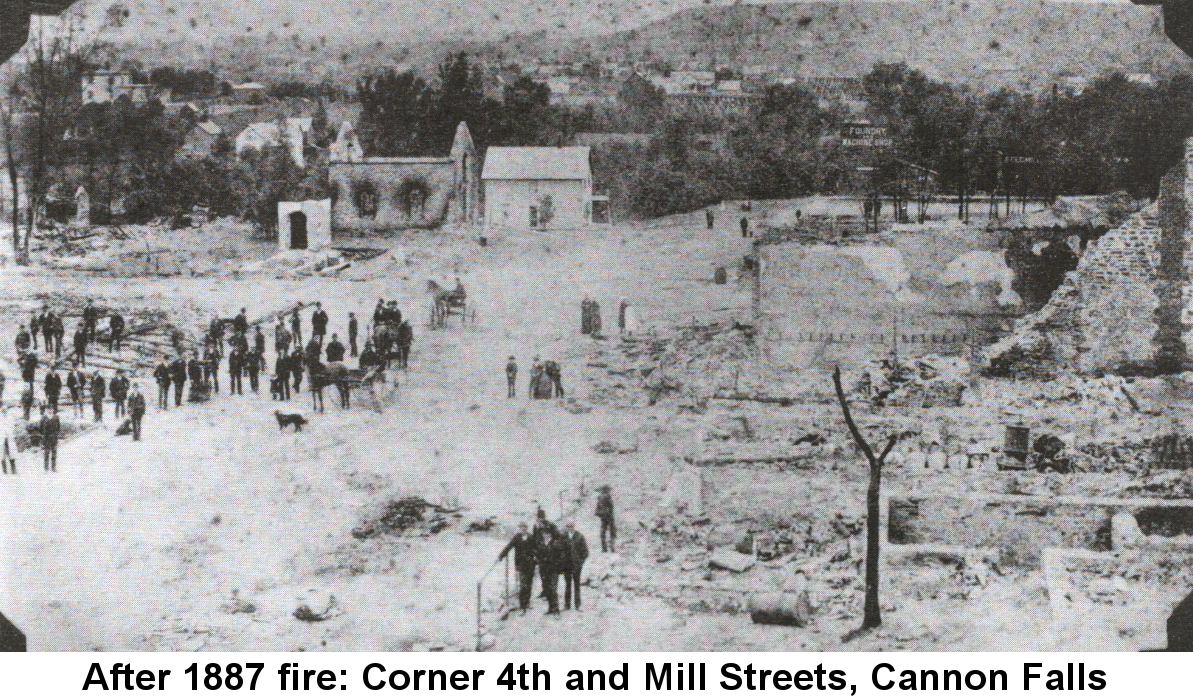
[(49, 92), (872, 614)]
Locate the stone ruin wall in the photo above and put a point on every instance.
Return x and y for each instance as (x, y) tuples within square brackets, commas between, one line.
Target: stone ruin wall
[(1108, 312)]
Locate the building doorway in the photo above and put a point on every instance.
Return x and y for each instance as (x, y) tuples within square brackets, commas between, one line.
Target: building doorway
[(298, 231)]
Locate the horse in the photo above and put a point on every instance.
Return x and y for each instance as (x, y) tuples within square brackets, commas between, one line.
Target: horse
[(440, 301), (321, 375)]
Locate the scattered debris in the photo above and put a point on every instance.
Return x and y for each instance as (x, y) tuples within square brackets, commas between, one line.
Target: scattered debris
[(399, 516)]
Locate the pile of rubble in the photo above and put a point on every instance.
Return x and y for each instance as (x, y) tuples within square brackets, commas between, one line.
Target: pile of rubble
[(407, 515), (914, 382)]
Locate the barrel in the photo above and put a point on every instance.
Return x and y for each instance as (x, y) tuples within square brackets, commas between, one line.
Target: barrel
[(1018, 442), (781, 608), (719, 276)]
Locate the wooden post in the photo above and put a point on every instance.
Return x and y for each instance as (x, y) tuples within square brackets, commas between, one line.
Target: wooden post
[(479, 583)]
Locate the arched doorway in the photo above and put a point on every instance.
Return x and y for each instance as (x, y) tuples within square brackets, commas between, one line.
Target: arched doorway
[(298, 231)]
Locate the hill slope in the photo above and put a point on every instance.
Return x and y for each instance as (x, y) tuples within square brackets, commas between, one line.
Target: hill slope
[(1001, 42)]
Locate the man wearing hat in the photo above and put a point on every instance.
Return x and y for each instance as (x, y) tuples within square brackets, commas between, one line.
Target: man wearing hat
[(522, 544), (49, 428), (575, 550), (136, 411), (511, 375), (604, 512)]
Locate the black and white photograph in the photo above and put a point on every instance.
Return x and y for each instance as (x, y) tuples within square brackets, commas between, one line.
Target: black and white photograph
[(677, 325)]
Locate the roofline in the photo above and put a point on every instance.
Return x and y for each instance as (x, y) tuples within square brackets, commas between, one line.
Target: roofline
[(552, 179)]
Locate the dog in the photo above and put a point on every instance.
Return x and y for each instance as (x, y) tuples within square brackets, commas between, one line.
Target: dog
[(285, 420)]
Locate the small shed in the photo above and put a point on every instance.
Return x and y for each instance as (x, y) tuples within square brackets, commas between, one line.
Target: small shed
[(304, 225)]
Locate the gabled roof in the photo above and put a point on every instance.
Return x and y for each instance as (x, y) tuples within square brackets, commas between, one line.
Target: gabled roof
[(534, 163), (210, 127)]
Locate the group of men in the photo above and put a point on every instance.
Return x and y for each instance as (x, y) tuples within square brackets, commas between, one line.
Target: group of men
[(546, 378), (554, 553)]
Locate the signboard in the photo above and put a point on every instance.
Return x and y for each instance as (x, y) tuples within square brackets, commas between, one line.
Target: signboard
[(863, 134)]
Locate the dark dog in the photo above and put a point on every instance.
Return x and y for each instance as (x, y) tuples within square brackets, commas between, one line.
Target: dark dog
[(285, 420)]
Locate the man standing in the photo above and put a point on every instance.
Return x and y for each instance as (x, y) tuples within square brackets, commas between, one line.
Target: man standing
[(161, 374), (379, 313), (545, 532), (281, 370), (335, 349), (550, 557), (90, 318), (118, 387), (352, 330), (708, 217), (604, 512), (745, 226), (26, 403), (575, 550), (405, 339), (253, 363), (259, 341), (34, 327), (281, 338), (240, 324), (178, 373), (296, 329), (551, 369), (211, 367), (536, 377), (75, 387), (49, 429), (59, 334), (81, 345), (53, 388), (235, 367), (98, 392), (523, 547), (47, 328), (319, 322), (511, 376), (115, 330), (216, 333), (22, 341), (136, 410), (314, 350), (194, 372), (28, 364), (296, 368)]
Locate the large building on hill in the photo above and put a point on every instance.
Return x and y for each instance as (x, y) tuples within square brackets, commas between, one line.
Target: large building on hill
[(370, 194), (539, 188)]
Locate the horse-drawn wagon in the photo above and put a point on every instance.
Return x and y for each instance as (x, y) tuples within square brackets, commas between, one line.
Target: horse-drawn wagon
[(448, 302)]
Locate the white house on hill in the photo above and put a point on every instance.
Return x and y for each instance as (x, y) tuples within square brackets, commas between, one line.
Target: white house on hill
[(268, 133), (537, 187)]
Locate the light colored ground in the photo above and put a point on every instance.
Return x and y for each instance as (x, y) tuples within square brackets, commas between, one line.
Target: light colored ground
[(140, 546)]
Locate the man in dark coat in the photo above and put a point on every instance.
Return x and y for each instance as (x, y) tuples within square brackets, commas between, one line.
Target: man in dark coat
[(161, 374), (319, 322), (99, 391), (313, 351), (259, 341), (216, 333), (28, 364), (49, 429), (551, 369), (405, 339), (296, 329), (194, 369), (253, 363), (81, 345), (178, 373), (745, 226), (575, 550), (90, 320), (368, 357), (34, 327), (281, 338), (22, 341), (136, 411), (544, 532), (353, 329), (604, 512), (281, 370), (522, 544), (118, 388), (240, 324), (379, 312), (551, 556), (26, 403), (75, 383), (59, 335), (296, 369), (235, 367), (211, 367), (115, 330), (335, 349), (511, 376), (48, 320), (53, 388)]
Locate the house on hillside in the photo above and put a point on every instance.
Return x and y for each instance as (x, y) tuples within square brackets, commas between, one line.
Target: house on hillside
[(200, 141), (291, 132), (249, 93), (370, 194), (103, 86), (538, 187)]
